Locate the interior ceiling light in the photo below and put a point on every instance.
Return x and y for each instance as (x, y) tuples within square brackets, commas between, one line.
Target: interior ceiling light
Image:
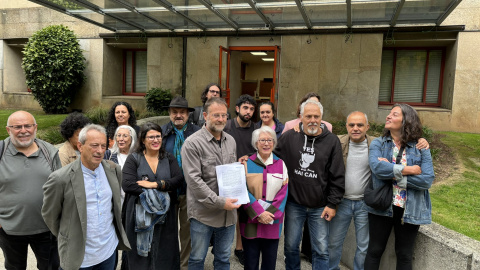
[(258, 53), (268, 59)]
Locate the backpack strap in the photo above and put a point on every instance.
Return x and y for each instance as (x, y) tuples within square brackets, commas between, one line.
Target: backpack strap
[(46, 154), (2, 148)]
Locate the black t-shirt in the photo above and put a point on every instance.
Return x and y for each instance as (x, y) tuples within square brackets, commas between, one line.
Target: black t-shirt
[(242, 136)]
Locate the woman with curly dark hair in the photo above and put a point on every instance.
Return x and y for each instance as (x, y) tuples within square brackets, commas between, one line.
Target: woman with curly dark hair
[(394, 160), (70, 128), (151, 174), (121, 113)]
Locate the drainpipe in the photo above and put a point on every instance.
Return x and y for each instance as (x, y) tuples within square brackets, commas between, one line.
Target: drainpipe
[(184, 67)]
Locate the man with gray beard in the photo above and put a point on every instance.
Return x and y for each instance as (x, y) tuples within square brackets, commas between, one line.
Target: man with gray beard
[(316, 173), (25, 165)]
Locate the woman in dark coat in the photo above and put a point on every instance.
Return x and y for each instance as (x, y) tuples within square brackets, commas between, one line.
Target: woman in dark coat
[(151, 167)]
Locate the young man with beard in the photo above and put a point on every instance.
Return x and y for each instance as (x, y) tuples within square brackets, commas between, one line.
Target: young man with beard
[(209, 213), (241, 129), (316, 172), (174, 134)]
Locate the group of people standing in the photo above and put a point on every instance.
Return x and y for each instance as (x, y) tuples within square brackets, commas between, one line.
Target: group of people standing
[(152, 191)]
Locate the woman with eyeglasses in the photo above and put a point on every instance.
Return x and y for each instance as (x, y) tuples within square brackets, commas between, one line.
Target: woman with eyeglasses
[(124, 142), (151, 177), (261, 220)]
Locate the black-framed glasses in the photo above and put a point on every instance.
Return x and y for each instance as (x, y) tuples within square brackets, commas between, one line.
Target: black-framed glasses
[(214, 92), (20, 127), (264, 141)]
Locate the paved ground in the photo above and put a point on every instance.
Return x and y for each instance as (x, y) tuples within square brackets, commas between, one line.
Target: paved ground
[(235, 265)]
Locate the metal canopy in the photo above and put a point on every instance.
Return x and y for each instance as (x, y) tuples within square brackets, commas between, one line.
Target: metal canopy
[(151, 16)]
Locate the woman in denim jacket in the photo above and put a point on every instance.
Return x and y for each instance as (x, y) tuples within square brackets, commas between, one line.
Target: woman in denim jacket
[(411, 180)]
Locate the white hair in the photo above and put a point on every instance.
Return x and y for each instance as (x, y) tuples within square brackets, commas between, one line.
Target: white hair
[(264, 129), (309, 101), (82, 136), (133, 135)]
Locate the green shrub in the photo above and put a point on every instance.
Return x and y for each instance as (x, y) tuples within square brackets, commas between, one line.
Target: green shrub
[(53, 64), (98, 115), (51, 135), (156, 98)]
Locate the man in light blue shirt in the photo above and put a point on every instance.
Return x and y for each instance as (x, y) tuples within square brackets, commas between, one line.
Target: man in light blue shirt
[(82, 206)]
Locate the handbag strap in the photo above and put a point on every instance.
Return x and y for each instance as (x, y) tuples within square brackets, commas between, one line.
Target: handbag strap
[(399, 156)]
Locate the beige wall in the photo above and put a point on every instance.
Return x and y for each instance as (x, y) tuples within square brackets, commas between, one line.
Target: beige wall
[(14, 77), (345, 75), (8, 4), (202, 66), (164, 65), (112, 70)]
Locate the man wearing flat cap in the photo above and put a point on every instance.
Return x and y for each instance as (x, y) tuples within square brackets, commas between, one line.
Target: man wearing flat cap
[(174, 134)]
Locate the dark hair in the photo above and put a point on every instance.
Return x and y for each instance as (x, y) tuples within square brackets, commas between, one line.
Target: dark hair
[(74, 121), (112, 122), (305, 98), (267, 103), (245, 99), (205, 91), (144, 129), (217, 100), (411, 125)]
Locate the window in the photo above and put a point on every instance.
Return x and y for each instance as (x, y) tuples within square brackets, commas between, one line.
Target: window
[(135, 72), (412, 76)]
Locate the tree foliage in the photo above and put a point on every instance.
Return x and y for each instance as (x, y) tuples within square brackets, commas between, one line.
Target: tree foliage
[(53, 64)]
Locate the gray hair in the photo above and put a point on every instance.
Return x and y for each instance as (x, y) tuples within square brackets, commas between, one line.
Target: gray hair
[(264, 129), (133, 134), (364, 114), (302, 107), (82, 137)]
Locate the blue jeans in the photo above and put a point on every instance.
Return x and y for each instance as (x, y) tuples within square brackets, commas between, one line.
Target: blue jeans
[(200, 235), (295, 216), (347, 210)]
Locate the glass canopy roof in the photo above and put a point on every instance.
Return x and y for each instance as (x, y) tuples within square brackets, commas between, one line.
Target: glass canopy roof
[(238, 15)]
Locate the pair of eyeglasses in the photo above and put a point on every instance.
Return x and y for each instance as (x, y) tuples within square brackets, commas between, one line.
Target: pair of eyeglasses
[(263, 141), (125, 136), (152, 138), (220, 115), (214, 92), (20, 127)]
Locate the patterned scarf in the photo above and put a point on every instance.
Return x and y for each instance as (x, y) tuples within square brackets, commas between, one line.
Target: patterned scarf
[(179, 140)]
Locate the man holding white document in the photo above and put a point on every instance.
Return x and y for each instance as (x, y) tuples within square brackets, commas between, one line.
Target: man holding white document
[(208, 212)]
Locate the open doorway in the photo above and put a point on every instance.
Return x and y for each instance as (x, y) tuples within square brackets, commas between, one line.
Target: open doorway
[(249, 70)]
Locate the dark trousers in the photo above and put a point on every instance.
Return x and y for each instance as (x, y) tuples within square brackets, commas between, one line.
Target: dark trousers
[(380, 228), (306, 245), (15, 250), (254, 247)]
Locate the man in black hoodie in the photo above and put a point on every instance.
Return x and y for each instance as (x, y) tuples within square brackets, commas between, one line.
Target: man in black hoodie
[(316, 171)]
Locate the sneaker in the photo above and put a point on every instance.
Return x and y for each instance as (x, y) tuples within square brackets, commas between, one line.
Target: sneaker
[(240, 256)]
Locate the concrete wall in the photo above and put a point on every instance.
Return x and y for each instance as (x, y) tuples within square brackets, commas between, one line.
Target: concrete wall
[(164, 65), (344, 74), (202, 65), (436, 247)]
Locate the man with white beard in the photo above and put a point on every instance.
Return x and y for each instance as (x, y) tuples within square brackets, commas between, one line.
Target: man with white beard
[(26, 163), (316, 173)]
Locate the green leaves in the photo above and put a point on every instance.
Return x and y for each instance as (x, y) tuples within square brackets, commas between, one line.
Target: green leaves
[(157, 98), (53, 63)]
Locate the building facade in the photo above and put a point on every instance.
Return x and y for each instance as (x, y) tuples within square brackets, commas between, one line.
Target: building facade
[(436, 69)]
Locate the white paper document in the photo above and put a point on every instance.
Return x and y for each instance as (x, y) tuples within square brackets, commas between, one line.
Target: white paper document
[(232, 182)]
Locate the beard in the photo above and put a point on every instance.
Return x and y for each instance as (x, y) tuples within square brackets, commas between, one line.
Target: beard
[(216, 127), (179, 122), (23, 144), (245, 118), (311, 129)]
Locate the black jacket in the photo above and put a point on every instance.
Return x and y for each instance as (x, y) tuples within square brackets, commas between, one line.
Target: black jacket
[(315, 168)]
